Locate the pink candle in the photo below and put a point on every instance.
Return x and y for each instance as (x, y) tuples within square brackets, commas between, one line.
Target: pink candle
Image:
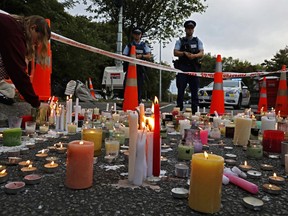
[(79, 169), (204, 136), (246, 185), (156, 139)]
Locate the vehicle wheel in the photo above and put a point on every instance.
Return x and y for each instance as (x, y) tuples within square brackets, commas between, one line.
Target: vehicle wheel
[(238, 106)]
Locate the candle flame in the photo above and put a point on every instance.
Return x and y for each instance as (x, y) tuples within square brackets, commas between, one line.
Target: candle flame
[(81, 142), (274, 175), (205, 155), (245, 163), (52, 163), (28, 162), (42, 151), (3, 171), (30, 166), (270, 186), (155, 100), (61, 146)]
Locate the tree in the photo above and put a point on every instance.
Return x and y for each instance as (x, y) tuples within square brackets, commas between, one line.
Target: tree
[(160, 19), (279, 59)]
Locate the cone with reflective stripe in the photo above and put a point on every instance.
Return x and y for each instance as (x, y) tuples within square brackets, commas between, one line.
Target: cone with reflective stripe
[(281, 106), (92, 92), (131, 89), (262, 104), (217, 100)]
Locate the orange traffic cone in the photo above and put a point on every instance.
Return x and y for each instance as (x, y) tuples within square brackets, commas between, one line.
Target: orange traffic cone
[(41, 78), (282, 97), (92, 92), (263, 104), (131, 89), (217, 100)]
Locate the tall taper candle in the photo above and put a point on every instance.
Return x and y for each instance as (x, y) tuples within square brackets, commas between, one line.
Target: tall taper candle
[(133, 131), (156, 140)]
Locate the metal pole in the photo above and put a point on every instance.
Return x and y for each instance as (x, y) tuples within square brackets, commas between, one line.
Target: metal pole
[(160, 74), (119, 36)]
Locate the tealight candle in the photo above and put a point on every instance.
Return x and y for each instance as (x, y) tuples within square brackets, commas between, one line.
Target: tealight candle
[(2, 167), (51, 158), (14, 187), (41, 155), (61, 149), (163, 159), (254, 174), (109, 158), (245, 166), (230, 162), (43, 128), (30, 145), (276, 179), (28, 170), (52, 148), (32, 179), (50, 167), (272, 189), (72, 128), (3, 176), (267, 167)]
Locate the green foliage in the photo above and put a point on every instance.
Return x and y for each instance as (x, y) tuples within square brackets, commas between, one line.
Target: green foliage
[(158, 18), (279, 59)]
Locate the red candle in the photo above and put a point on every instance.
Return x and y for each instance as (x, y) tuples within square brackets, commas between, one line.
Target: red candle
[(156, 140), (272, 140), (79, 169), (26, 119)]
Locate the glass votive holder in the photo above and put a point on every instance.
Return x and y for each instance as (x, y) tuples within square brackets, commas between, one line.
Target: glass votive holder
[(72, 128), (30, 127), (14, 122), (254, 149), (112, 146), (44, 128), (120, 136)]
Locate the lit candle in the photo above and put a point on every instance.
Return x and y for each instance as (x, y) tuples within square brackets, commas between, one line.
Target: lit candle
[(276, 179), (149, 152), (79, 169), (156, 139), (3, 176), (254, 151), (43, 129), (267, 123), (205, 192), (50, 167), (28, 170), (272, 189), (141, 114), (61, 149), (267, 167), (245, 166), (94, 135), (41, 155), (24, 164), (72, 128)]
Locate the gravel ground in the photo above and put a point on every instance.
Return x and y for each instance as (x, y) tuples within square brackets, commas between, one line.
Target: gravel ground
[(51, 197)]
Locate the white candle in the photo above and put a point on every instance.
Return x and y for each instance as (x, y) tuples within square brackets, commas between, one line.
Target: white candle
[(140, 171), (133, 132), (216, 122), (242, 131), (57, 127), (96, 111), (70, 109), (141, 114), (204, 109), (184, 124), (286, 163), (267, 123), (198, 111), (62, 112), (114, 107), (76, 111), (149, 153), (107, 106)]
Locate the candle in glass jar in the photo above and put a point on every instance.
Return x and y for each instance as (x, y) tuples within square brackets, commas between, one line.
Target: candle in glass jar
[(72, 128), (43, 129), (94, 135), (205, 192), (254, 151), (79, 169)]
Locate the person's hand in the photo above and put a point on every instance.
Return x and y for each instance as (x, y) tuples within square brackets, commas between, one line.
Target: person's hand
[(43, 113)]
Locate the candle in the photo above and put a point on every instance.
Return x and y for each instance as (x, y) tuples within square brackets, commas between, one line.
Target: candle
[(96, 111), (14, 187), (242, 131), (112, 147), (30, 127), (276, 179), (267, 167), (133, 133), (272, 189), (116, 117), (61, 149), (204, 136), (156, 139), (50, 167), (254, 174), (120, 136), (184, 124), (72, 128), (242, 183), (28, 170), (3, 176), (254, 151), (43, 129), (41, 155), (185, 152), (205, 192), (24, 164), (141, 114), (32, 179), (286, 163), (2, 167), (109, 158), (267, 123), (245, 166), (284, 150), (94, 135), (181, 170), (79, 169), (12, 137), (149, 153), (272, 141), (76, 111)]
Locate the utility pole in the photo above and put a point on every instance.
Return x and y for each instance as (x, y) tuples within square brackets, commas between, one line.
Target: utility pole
[(119, 4), (160, 74)]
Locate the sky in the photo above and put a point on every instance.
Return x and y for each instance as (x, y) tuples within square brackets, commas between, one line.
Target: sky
[(252, 30)]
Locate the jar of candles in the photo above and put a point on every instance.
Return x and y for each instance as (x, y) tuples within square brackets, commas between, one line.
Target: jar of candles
[(254, 149)]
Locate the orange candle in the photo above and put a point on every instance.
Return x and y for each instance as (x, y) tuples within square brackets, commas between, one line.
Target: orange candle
[(94, 135), (79, 169), (206, 182)]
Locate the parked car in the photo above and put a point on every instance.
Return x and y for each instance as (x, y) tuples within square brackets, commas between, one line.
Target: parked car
[(236, 94)]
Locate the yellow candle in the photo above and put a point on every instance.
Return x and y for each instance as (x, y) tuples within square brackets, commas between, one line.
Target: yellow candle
[(206, 182), (94, 135)]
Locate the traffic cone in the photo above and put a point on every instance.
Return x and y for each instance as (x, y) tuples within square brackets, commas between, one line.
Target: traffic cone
[(41, 78), (92, 92), (131, 89), (217, 100), (282, 97), (263, 104)]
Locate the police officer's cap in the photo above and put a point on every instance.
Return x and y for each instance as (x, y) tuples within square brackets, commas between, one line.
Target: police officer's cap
[(189, 23), (137, 30)]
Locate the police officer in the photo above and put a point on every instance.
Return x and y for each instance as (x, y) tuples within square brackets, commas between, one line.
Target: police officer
[(189, 50), (142, 52)]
